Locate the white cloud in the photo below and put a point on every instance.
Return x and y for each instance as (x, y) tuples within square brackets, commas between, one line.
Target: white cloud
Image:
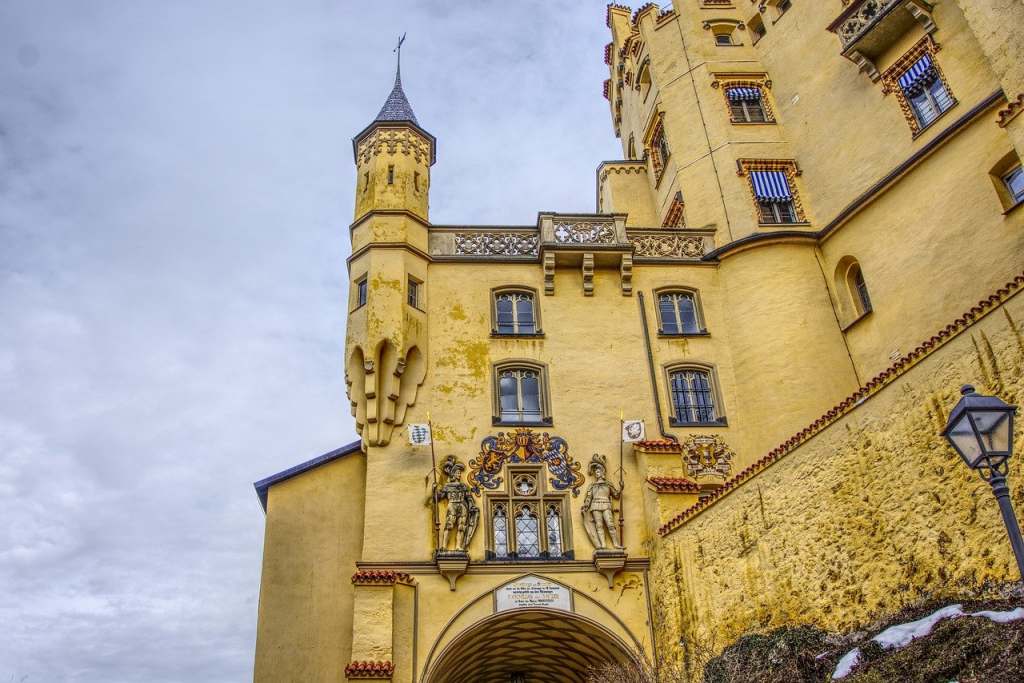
[(175, 184)]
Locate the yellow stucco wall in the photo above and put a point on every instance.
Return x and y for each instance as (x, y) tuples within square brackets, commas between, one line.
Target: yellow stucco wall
[(867, 516), (313, 538)]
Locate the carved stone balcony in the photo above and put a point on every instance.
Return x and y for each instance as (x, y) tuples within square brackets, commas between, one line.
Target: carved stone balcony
[(867, 28)]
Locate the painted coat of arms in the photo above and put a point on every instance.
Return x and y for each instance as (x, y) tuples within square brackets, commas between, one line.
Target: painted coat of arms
[(524, 445)]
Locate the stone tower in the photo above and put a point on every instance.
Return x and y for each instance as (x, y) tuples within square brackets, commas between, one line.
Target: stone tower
[(387, 328)]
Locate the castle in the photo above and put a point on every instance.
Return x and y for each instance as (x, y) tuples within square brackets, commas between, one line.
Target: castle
[(711, 406)]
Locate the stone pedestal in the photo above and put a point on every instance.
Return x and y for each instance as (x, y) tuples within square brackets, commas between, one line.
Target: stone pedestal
[(452, 564), (609, 561)]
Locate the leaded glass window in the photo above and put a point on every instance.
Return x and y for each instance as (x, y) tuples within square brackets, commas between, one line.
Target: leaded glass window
[(500, 530), (678, 313), (527, 533), (526, 518), (514, 313), (519, 395), (692, 396), (554, 528)]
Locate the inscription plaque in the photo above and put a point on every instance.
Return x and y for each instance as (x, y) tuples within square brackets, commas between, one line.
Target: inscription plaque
[(532, 592)]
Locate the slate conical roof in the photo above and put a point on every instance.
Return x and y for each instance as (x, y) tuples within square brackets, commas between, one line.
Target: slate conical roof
[(397, 107)]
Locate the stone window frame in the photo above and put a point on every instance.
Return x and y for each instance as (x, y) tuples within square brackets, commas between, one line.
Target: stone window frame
[(891, 76), (787, 166), (414, 293), (723, 26), (698, 309), (854, 301), (360, 291), (1000, 174), (718, 405), (675, 217), (653, 150), (518, 289), (759, 81), (545, 393), (540, 499)]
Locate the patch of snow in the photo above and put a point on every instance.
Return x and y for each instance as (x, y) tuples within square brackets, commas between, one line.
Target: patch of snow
[(1001, 617), (846, 664), (902, 635)]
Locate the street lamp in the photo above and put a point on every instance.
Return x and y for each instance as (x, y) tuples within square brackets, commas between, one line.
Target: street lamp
[(980, 428)]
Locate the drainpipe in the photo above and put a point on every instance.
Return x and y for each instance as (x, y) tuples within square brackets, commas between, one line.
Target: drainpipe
[(650, 368)]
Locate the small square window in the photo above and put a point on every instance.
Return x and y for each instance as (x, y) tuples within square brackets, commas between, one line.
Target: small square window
[(414, 293), (723, 39), (360, 293), (1015, 184)]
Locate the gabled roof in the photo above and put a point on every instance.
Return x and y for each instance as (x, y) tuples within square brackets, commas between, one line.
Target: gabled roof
[(263, 485)]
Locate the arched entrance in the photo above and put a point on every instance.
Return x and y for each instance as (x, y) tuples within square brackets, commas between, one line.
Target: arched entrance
[(528, 646)]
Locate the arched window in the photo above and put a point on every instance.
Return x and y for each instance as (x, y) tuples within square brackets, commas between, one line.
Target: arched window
[(852, 290), (643, 79), (678, 314), (515, 312), (631, 148), (527, 518), (521, 395), (499, 530), (860, 289), (554, 529), (693, 397)]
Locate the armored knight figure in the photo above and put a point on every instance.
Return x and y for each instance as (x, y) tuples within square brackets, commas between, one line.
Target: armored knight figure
[(462, 515), (598, 514)]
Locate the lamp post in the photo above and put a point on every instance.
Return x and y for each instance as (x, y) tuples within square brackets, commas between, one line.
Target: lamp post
[(980, 429)]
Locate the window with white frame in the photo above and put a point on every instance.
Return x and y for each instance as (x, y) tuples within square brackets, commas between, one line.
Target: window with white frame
[(1014, 181), (521, 395), (923, 87), (515, 312), (678, 314)]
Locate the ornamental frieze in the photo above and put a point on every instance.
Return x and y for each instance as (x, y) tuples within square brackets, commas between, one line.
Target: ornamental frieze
[(525, 445), (667, 246), (584, 233), (495, 244), (392, 140)]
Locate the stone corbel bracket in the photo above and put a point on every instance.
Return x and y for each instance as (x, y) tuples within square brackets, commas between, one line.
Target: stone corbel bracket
[(452, 565), (609, 562)]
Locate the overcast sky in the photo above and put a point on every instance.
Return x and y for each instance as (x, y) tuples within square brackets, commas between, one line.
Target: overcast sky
[(176, 180)]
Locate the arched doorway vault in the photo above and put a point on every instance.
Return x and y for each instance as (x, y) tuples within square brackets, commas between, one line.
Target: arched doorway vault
[(531, 645)]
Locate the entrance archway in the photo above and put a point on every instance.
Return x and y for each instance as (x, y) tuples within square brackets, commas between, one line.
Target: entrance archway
[(535, 646)]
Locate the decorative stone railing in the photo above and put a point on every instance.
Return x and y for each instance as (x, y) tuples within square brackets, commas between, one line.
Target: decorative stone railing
[(513, 243), (572, 237), (669, 244), (868, 27)]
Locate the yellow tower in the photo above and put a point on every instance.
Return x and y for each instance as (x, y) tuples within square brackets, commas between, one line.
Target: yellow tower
[(387, 330)]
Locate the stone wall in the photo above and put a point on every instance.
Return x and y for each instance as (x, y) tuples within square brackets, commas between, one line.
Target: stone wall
[(872, 513)]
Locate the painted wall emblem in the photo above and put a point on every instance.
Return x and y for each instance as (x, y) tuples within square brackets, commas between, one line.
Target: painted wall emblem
[(707, 456), (524, 445)]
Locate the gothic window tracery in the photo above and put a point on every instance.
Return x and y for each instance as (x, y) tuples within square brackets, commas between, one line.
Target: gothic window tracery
[(515, 312), (527, 520)]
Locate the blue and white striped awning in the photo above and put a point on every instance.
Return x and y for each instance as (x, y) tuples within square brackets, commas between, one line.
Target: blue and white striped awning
[(743, 94), (921, 73), (771, 186)]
